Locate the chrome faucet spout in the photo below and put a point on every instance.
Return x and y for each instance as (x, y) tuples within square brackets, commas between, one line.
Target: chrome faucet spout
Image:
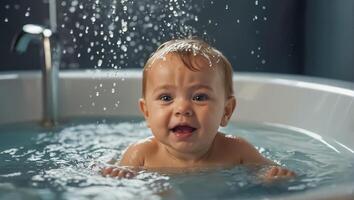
[(50, 70)]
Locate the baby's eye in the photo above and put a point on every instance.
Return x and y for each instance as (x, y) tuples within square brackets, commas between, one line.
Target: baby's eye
[(200, 97), (165, 97)]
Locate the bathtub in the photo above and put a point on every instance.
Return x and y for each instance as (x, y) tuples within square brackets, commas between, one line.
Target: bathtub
[(316, 107)]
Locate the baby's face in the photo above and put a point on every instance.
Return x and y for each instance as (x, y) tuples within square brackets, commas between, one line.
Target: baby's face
[(184, 108)]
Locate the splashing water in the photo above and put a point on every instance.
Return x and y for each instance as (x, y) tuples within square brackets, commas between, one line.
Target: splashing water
[(65, 163)]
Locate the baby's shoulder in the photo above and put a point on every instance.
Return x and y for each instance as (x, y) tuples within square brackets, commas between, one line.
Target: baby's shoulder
[(136, 153), (143, 146), (234, 142)]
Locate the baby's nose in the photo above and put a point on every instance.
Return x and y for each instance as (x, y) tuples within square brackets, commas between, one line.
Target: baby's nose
[(183, 108), (184, 113)]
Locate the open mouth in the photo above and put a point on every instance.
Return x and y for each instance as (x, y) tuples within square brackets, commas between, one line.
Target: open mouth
[(183, 129), (183, 132)]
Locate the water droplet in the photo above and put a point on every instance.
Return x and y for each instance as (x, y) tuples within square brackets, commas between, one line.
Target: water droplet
[(124, 48), (27, 14), (263, 61), (97, 94), (263, 7), (124, 26), (226, 7), (104, 108), (238, 21), (265, 18), (6, 20), (252, 52), (99, 63), (113, 90), (72, 9), (256, 3)]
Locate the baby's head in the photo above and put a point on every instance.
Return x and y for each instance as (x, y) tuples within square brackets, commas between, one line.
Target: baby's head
[(187, 94), (194, 53)]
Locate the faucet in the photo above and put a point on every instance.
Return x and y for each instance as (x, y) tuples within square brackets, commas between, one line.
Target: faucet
[(50, 77)]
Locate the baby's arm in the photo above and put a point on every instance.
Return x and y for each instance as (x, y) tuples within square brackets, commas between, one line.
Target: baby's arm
[(132, 157), (250, 155)]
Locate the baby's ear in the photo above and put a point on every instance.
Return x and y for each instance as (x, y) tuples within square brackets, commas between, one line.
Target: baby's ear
[(228, 110), (144, 110)]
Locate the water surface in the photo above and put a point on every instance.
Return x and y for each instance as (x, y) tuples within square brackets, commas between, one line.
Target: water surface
[(37, 163)]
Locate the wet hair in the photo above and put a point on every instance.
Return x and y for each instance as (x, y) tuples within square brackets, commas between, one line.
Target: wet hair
[(187, 50)]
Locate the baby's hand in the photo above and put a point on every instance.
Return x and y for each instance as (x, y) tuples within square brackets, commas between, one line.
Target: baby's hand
[(115, 171), (277, 172)]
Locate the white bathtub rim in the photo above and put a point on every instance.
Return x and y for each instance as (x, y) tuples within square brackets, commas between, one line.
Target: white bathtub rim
[(283, 79)]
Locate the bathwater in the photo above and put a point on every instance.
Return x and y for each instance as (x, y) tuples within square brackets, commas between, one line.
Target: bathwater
[(64, 163)]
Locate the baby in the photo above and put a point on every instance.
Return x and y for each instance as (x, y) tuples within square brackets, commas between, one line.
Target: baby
[(187, 95)]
